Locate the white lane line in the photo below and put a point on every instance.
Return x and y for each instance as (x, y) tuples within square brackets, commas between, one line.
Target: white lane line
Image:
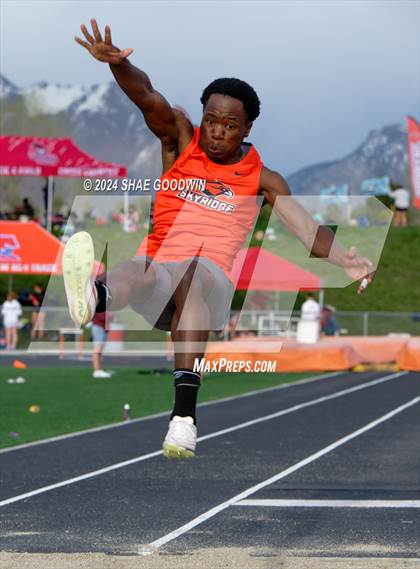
[(232, 501), (165, 413), (302, 406), (331, 503), (78, 478), (125, 463)]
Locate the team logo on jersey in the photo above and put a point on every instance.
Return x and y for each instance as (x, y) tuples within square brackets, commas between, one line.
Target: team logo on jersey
[(215, 188), (8, 244), (209, 194)]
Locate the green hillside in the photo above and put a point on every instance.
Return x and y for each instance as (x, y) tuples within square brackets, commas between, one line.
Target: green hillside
[(396, 287)]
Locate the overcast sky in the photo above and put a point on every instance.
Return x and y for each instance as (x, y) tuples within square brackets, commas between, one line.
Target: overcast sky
[(327, 72)]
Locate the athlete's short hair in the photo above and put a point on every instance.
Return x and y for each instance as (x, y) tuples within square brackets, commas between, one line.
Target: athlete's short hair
[(238, 90)]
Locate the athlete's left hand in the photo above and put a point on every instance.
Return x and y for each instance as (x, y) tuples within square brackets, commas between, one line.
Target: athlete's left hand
[(102, 49), (358, 268)]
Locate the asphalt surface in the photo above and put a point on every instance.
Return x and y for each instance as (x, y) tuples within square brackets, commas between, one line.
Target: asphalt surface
[(124, 510), (148, 363)]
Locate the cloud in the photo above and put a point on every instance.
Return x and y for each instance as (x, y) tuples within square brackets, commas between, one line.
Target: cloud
[(326, 72)]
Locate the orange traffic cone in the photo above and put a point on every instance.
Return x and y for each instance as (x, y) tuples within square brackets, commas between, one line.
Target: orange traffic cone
[(19, 365)]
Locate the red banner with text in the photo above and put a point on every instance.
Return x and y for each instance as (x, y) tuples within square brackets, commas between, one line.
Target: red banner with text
[(414, 158)]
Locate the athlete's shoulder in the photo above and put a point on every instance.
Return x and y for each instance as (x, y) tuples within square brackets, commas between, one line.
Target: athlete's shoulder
[(185, 128), (172, 149), (272, 183)]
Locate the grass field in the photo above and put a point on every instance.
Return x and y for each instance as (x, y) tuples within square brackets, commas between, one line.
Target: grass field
[(70, 400), (396, 287)]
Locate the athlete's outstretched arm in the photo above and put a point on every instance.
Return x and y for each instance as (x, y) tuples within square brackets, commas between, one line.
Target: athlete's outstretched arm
[(318, 239), (158, 114)]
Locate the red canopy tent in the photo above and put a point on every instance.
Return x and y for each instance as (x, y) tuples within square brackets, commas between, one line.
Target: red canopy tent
[(31, 156), (48, 157), (258, 269)]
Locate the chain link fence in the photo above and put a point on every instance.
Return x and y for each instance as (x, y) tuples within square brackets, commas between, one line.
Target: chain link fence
[(246, 322), (265, 323)]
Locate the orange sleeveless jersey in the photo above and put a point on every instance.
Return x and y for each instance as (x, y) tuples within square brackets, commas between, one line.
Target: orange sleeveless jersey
[(204, 208)]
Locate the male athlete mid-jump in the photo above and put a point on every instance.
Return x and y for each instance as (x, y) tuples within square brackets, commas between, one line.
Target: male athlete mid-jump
[(179, 279)]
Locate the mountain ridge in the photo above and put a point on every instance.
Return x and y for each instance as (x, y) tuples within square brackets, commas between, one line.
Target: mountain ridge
[(105, 123)]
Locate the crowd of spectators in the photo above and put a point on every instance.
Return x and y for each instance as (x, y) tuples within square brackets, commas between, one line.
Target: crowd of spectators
[(22, 212)]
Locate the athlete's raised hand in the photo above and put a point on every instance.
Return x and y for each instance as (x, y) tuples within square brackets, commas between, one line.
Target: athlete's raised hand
[(102, 49), (358, 268)]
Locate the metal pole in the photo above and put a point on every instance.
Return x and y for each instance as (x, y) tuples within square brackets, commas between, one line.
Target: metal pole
[(50, 203), (321, 298), (365, 323), (126, 224), (348, 207)]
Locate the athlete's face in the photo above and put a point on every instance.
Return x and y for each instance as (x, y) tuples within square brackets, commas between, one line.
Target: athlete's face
[(223, 128)]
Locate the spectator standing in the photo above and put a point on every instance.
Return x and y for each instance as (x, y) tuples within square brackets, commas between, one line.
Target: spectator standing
[(99, 339), (309, 323), (258, 302), (38, 318), (310, 309), (329, 323), (11, 311), (401, 197), (133, 219), (25, 211)]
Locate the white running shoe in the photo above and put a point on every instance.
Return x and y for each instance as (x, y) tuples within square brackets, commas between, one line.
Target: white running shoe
[(78, 259), (181, 439), (101, 374)]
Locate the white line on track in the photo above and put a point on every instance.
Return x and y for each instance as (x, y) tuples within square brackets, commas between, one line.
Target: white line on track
[(141, 458), (232, 501), (331, 503), (301, 406), (165, 413)]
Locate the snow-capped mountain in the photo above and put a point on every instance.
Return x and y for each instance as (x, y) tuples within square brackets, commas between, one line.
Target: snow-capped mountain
[(45, 98), (101, 119), (383, 153), (106, 124)]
